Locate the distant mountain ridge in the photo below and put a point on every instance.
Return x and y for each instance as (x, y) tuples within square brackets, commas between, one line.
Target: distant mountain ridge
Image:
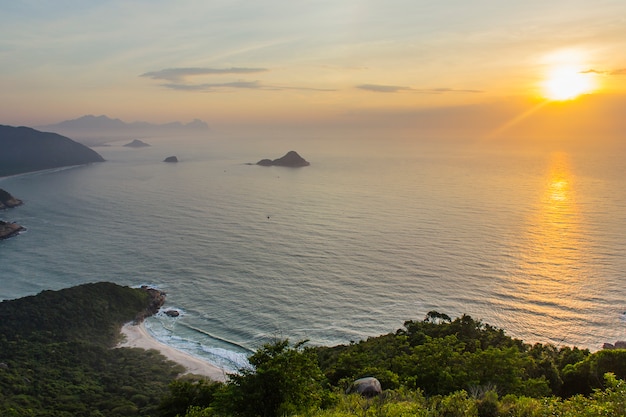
[(106, 123), (23, 149)]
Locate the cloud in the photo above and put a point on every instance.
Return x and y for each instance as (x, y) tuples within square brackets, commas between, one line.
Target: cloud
[(178, 74), (382, 88), (593, 71), (619, 71), (377, 88), (250, 85), (177, 79)]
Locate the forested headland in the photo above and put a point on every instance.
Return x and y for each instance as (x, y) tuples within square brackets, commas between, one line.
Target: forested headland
[(56, 359)]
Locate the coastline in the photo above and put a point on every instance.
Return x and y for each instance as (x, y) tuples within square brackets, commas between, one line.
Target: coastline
[(136, 336)]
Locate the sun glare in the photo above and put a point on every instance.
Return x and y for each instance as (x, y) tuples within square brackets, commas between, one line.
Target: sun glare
[(567, 83)]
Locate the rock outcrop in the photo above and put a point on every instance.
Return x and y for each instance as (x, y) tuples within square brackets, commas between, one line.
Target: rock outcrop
[(156, 301), (26, 150), (8, 201), (368, 387), (8, 229), (171, 159), (620, 344), (291, 159), (137, 144)]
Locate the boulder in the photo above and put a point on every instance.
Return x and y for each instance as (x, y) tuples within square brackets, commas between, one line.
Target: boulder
[(172, 313), (620, 344), (368, 387), (170, 159)]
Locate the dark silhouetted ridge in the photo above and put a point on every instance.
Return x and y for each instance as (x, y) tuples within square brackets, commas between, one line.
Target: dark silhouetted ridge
[(25, 150)]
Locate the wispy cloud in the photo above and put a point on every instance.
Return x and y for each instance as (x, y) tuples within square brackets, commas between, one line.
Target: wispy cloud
[(178, 79), (178, 74), (378, 88), (236, 85), (382, 88), (593, 71), (251, 85), (619, 71)]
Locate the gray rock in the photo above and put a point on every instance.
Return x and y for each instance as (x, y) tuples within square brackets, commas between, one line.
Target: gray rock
[(368, 387)]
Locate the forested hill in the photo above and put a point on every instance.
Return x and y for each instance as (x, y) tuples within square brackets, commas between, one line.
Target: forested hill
[(56, 357), (56, 360), (25, 150)]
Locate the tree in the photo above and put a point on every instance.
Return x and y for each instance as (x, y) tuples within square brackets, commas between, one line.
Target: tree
[(185, 394), (282, 380)]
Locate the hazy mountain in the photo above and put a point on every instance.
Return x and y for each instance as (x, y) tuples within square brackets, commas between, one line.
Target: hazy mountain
[(101, 129), (25, 150), (104, 122)]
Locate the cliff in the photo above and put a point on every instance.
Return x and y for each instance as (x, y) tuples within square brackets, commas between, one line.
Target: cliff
[(26, 150)]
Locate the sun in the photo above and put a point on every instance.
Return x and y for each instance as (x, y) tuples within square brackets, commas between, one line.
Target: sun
[(567, 83)]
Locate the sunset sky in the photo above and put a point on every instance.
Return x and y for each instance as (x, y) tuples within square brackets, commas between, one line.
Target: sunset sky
[(312, 62)]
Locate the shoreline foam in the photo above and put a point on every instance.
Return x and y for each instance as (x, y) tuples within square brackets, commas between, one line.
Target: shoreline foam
[(136, 336)]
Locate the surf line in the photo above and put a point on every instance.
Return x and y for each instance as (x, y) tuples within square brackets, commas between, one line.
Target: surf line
[(217, 338)]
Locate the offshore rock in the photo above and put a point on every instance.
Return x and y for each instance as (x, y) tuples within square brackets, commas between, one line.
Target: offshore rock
[(291, 159), (170, 159), (8, 201), (8, 229)]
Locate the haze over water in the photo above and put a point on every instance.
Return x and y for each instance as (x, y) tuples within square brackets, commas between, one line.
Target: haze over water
[(350, 247)]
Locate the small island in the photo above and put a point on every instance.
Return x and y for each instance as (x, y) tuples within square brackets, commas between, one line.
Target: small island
[(8, 229), (137, 144), (171, 159), (291, 159), (8, 201)]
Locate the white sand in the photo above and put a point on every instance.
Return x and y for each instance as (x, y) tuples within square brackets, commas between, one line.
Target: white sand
[(136, 336)]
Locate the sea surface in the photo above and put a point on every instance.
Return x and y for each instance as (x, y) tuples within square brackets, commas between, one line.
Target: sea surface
[(372, 234)]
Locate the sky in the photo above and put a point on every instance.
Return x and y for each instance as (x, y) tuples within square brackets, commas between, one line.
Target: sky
[(444, 67)]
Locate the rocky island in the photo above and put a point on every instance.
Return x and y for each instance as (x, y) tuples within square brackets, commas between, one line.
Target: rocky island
[(291, 159), (26, 150), (137, 144), (171, 159), (8, 201), (8, 229)]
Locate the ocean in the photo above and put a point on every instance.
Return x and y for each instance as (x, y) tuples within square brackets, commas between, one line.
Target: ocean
[(372, 234)]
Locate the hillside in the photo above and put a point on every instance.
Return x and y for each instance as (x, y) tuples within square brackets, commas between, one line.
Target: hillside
[(25, 150), (56, 357)]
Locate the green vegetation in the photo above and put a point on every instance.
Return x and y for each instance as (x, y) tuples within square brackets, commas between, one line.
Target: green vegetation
[(56, 359), (56, 356)]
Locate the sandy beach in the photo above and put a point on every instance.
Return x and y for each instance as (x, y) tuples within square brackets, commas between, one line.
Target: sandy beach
[(136, 336)]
